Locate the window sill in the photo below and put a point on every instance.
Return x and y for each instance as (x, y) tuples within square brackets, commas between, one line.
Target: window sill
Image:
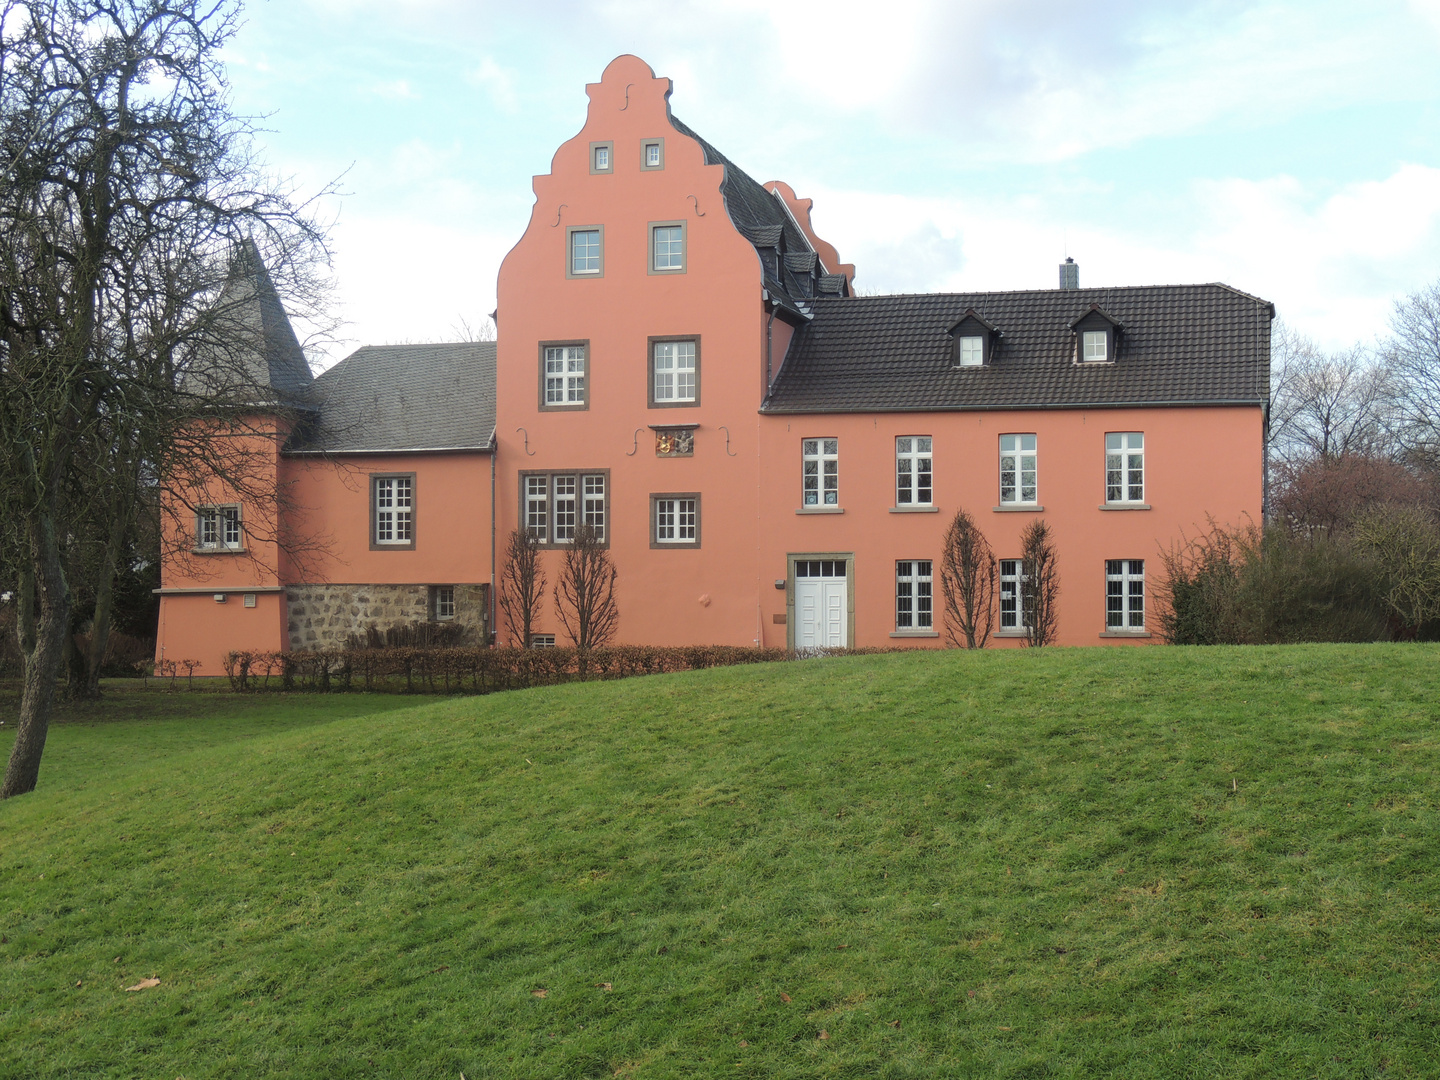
[(1126, 633), (914, 509), (820, 510), (1123, 506), (1019, 508), (1010, 634), (218, 551), (915, 633)]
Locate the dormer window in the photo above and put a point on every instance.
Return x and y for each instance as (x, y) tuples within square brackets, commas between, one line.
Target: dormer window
[(1096, 345), (974, 340), (972, 350), (1096, 337)]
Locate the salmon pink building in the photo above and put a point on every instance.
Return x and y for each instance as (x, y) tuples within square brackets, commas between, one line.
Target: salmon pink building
[(683, 366)]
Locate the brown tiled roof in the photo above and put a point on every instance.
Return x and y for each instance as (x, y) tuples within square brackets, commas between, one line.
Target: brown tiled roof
[(1181, 344)]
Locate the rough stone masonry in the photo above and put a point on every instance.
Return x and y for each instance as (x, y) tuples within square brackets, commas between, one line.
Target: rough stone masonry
[(323, 616)]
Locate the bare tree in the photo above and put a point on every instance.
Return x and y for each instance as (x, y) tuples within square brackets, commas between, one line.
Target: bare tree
[(522, 585), (967, 576), (464, 330), (1326, 404), (1404, 542), (1040, 588), (1413, 358), (126, 186), (585, 593)]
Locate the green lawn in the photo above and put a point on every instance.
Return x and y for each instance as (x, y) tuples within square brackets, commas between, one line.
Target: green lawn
[(1073, 863)]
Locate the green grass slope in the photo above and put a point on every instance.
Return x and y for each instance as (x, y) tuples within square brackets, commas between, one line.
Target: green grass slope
[(1072, 863)]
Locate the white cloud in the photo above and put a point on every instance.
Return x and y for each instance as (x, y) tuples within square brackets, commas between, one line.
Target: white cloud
[(499, 82), (1332, 264), (395, 90)]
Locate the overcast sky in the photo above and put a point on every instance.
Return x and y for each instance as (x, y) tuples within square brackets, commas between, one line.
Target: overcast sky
[(1290, 149)]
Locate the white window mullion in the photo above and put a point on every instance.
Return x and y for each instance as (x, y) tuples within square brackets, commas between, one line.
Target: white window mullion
[(820, 472), (1018, 470), (1125, 594), (913, 470)]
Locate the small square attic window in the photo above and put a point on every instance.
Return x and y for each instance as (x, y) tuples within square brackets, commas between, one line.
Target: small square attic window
[(974, 340), (1097, 336)]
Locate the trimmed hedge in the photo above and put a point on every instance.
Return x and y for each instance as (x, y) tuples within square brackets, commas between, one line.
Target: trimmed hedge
[(478, 670)]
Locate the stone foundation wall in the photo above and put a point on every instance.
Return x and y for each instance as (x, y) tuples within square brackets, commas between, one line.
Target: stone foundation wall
[(323, 616)]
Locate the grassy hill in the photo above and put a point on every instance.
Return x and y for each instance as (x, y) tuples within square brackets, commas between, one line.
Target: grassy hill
[(1072, 863)]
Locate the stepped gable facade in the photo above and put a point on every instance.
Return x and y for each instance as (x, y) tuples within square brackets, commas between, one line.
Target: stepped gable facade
[(683, 366)]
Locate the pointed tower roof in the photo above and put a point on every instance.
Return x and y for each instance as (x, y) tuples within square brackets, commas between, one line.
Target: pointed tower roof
[(252, 349)]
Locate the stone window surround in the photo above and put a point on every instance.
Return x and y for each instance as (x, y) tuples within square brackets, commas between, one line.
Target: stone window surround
[(650, 344), (686, 545), (609, 146), (375, 545), (650, 228), (570, 231), (583, 406), (579, 474)]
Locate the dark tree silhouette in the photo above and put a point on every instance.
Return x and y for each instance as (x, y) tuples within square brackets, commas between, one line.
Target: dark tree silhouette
[(585, 593), (967, 577)]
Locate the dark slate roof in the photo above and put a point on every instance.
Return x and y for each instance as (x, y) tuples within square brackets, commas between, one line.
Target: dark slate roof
[(252, 351), (406, 397), (1181, 344), (763, 219)]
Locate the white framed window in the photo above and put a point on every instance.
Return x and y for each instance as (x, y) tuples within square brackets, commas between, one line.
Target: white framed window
[(601, 159), (972, 350), (586, 254), (1094, 346), (1125, 467), (914, 465), (594, 503), (556, 503), (542, 641), (1017, 470), (652, 154), (563, 371), (394, 510), (676, 520), (217, 528), (914, 599), (1014, 598), (537, 507), (674, 373), (1124, 594), (565, 489), (820, 472), (442, 602), (667, 247)]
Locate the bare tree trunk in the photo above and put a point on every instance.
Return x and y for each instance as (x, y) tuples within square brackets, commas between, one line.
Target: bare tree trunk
[(25, 614), (104, 606), (43, 665)]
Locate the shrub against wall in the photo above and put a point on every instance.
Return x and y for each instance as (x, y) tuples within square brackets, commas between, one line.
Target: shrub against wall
[(479, 670), (1248, 586)]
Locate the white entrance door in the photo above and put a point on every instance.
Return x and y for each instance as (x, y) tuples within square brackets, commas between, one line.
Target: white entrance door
[(821, 604)]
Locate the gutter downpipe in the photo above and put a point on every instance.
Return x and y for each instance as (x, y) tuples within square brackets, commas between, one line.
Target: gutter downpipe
[(494, 452), (769, 338)]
